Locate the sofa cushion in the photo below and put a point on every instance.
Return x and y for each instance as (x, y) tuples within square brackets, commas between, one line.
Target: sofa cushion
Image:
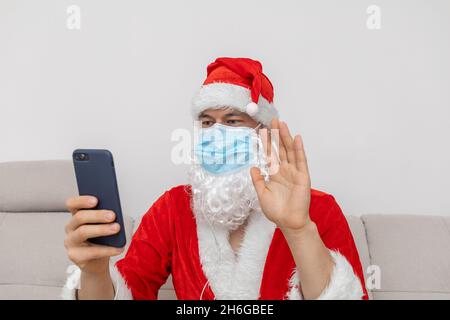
[(36, 186), (167, 293), (29, 292), (399, 295), (412, 253), (32, 249)]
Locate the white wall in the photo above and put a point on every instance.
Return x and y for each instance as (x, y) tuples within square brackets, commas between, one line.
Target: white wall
[(373, 105)]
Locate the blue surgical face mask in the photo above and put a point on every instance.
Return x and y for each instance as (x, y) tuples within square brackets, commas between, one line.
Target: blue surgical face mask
[(222, 149)]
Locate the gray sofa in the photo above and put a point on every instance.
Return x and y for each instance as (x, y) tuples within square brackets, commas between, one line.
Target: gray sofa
[(412, 252)]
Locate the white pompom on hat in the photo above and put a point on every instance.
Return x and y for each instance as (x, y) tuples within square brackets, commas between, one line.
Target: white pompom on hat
[(238, 83)]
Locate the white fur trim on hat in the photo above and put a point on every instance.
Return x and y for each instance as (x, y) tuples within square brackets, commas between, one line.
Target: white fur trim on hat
[(122, 292), (219, 95), (344, 283)]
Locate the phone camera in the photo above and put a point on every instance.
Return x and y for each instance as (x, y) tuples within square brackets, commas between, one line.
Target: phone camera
[(81, 156)]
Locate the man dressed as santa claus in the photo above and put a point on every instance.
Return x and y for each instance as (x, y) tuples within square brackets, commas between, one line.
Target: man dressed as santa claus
[(248, 226)]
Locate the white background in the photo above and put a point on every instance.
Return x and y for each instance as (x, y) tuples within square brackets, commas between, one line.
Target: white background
[(373, 105)]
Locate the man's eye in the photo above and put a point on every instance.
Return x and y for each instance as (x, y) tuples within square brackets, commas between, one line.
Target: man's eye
[(207, 123), (233, 122)]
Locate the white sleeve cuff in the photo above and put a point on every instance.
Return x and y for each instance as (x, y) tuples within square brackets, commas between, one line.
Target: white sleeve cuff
[(122, 292), (344, 283)]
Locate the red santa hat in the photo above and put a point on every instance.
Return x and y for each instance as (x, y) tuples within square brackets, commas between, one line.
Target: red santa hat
[(238, 83)]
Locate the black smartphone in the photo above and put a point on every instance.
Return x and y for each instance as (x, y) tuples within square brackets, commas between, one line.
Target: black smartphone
[(96, 176)]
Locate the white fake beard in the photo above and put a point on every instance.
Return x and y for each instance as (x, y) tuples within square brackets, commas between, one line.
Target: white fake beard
[(223, 200)]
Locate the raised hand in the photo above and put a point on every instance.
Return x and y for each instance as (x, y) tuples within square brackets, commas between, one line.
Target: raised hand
[(285, 198)]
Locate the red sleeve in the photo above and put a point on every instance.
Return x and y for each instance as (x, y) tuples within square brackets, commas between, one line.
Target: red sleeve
[(146, 265), (335, 233)]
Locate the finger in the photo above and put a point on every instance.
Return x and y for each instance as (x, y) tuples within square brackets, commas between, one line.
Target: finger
[(279, 144), (88, 231), (84, 254), (288, 142), (89, 216), (82, 202), (300, 156), (258, 180)]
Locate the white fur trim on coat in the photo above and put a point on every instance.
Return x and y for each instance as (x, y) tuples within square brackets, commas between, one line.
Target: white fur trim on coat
[(122, 292), (235, 277), (344, 283), (219, 95)]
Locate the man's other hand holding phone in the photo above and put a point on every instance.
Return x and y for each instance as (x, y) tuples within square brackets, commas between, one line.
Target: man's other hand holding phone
[(92, 259)]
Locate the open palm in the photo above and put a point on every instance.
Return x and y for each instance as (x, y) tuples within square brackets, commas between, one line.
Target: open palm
[(285, 198)]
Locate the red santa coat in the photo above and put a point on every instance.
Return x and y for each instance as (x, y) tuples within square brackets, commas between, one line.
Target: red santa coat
[(170, 240)]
